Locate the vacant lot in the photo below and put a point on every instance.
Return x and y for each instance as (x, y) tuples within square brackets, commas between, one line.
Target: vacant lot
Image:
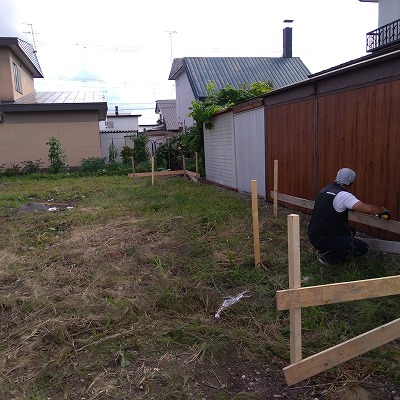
[(113, 295)]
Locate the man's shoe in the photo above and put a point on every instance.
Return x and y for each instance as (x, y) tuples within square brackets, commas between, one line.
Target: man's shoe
[(322, 259)]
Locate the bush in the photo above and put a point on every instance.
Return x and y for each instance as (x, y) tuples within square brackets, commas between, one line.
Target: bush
[(32, 167), (92, 164), (143, 167)]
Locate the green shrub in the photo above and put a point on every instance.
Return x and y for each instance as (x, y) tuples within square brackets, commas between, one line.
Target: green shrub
[(92, 164), (143, 167), (126, 155), (32, 167), (57, 158)]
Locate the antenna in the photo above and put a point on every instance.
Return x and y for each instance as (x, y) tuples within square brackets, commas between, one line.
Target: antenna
[(33, 36), (170, 41)]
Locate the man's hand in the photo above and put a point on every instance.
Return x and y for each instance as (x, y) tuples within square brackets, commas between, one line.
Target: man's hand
[(384, 215)]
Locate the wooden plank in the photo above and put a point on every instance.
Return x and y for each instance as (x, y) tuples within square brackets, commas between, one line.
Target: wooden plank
[(297, 201), (370, 220), (156, 173), (366, 219), (191, 173), (337, 292), (383, 245), (294, 283), (256, 231), (340, 353)]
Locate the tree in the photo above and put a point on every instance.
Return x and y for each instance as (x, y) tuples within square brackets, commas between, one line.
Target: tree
[(57, 158), (140, 151)]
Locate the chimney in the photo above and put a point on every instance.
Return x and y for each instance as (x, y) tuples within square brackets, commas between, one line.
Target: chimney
[(116, 110), (287, 39), (287, 42)]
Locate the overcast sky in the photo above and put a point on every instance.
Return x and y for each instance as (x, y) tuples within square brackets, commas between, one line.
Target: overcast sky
[(124, 48)]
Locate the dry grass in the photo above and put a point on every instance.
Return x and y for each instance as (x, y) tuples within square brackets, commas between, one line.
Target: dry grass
[(115, 298)]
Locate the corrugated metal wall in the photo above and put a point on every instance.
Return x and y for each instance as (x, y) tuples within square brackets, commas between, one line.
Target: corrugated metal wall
[(250, 150), (219, 151)]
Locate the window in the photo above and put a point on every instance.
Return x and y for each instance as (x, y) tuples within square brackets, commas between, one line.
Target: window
[(17, 78), (110, 125)]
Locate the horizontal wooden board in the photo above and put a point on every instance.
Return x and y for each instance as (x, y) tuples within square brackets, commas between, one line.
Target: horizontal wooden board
[(366, 219), (340, 353), (156, 173), (337, 292)]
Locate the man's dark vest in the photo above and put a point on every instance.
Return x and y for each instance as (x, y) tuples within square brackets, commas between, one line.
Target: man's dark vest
[(325, 220)]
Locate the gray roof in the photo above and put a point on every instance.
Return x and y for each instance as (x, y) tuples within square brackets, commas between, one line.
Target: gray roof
[(25, 52), (167, 108), (58, 101), (235, 71)]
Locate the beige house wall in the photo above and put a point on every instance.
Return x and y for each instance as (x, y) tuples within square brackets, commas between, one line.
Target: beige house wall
[(7, 84), (6, 81), (23, 136)]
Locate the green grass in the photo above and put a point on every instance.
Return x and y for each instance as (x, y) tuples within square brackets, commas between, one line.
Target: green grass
[(115, 298)]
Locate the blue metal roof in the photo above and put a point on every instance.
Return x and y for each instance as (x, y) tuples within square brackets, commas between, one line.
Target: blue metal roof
[(235, 71)]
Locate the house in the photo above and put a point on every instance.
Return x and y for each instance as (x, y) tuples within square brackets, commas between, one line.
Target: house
[(28, 119), (192, 74), (167, 125), (118, 128), (346, 115)]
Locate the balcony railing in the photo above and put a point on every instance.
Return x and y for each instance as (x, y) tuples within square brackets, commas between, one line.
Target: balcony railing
[(384, 36)]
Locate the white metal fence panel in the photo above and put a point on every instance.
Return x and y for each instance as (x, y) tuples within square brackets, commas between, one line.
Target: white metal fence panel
[(250, 150), (219, 151)]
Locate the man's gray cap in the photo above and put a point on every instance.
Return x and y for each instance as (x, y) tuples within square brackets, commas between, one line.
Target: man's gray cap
[(345, 176)]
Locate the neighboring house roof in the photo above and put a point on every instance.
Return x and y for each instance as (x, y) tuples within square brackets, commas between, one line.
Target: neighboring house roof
[(167, 108), (119, 131), (25, 52), (58, 101), (235, 71)]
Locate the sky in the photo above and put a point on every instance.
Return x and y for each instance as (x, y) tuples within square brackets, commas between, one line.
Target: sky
[(124, 49)]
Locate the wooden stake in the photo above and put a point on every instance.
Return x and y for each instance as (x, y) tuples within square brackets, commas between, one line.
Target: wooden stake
[(197, 168), (133, 165), (256, 233), (294, 283), (275, 188), (152, 171), (184, 166)]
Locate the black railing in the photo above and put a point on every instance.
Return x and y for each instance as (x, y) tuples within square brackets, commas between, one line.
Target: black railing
[(384, 36)]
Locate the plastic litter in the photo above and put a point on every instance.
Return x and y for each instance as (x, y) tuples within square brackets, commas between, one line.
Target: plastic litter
[(229, 300)]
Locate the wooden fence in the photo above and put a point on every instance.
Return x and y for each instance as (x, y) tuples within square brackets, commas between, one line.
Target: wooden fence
[(192, 175), (296, 297)]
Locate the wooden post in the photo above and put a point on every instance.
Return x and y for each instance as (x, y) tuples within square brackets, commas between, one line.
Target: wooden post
[(294, 283), (152, 171), (184, 166), (197, 168), (275, 188), (133, 165), (256, 233)]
